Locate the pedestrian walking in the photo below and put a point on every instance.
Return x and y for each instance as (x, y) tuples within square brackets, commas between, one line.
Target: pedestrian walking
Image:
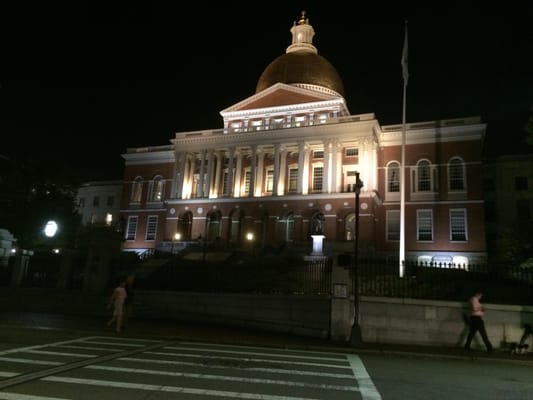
[(128, 302), (477, 311), (117, 302)]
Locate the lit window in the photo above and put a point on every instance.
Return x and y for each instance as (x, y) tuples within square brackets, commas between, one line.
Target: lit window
[(157, 189), (269, 183), (108, 219), (247, 175), (257, 125)]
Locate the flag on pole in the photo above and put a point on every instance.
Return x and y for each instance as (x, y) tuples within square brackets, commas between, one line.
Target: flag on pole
[(405, 72)]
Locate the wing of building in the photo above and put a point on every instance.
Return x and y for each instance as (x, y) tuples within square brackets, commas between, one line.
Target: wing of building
[(284, 164)]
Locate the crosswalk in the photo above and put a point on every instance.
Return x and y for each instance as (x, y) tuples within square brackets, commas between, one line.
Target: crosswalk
[(114, 367)]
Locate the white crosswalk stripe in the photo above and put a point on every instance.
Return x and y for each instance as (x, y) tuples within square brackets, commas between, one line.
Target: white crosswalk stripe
[(183, 368)]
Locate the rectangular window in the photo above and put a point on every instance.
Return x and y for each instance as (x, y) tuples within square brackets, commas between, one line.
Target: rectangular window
[(151, 227), (82, 202), (458, 225), (317, 178), (110, 201), (225, 183), (247, 175), (351, 152), (318, 154), (424, 225), (269, 183), (131, 229), (393, 225), (96, 201), (293, 180)]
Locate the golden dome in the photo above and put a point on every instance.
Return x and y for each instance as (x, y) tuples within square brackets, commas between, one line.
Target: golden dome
[(301, 67)]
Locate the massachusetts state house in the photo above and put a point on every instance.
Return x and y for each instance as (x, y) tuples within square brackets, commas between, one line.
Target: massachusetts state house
[(284, 165)]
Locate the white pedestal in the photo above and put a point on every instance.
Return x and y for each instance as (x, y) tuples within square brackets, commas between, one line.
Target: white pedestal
[(317, 245)]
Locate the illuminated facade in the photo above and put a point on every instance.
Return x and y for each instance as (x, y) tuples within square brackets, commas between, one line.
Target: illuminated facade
[(283, 167)]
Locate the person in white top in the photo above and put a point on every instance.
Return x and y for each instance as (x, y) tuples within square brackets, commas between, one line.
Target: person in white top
[(476, 322), (117, 301)]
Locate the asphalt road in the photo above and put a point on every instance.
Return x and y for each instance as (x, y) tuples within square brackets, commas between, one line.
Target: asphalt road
[(47, 357)]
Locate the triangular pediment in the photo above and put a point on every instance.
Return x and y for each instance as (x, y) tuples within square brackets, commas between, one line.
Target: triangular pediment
[(280, 95)]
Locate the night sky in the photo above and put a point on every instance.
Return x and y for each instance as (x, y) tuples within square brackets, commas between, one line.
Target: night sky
[(82, 83)]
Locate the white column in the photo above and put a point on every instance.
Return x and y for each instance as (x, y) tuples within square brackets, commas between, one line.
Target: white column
[(219, 161), (282, 172), (275, 176), (253, 161), (336, 167), (210, 172), (231, 156), (179, 174), (301, 148), (202, 173), (186, 186), (305, 174), (260, 168), (238, 171)]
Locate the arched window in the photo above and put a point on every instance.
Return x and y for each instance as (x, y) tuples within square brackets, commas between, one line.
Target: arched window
[(136, 190), (289, 227), (393, 177), (423, 176), (185, 225), (456, 174), (213, 225), (156, 192), (235, 228)]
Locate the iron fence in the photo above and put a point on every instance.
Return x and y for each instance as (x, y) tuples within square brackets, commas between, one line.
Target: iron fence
[(269, 273)]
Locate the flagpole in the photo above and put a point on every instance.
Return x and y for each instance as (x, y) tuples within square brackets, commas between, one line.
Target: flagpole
[(402, 169)]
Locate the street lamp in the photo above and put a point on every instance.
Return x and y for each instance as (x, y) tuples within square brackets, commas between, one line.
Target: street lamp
[(50, 229), (176, 237), (356, 332), (250, 238)]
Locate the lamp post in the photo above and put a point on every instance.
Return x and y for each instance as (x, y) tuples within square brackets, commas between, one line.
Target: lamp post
[(356, 331)]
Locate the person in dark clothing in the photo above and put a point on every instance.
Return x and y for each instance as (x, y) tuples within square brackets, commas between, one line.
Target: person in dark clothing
[(528, 331), (476, 322), (128, 303)]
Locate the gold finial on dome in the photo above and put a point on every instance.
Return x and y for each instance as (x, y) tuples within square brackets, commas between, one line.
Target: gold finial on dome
[(302, 20)]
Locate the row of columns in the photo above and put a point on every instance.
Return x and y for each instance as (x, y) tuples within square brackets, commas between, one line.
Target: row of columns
[(211, 171)]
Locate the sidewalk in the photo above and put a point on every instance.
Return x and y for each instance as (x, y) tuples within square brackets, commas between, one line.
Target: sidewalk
[(175, 330)]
